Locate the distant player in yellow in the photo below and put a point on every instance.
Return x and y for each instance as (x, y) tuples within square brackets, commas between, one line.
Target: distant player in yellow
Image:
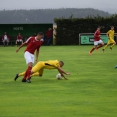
[(110, 35), (38, 69)]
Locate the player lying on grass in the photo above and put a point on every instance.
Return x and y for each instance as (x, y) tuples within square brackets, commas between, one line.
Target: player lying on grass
[(38, 69)]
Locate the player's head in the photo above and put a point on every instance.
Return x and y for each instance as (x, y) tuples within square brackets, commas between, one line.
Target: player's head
[(5, 33), (112, 27), (50, 29), (19, 33), (98, 28), (61, 63), (40, 35)]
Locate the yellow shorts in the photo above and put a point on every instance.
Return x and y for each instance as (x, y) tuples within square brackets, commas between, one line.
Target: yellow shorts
[(39, 67), (111, 41)]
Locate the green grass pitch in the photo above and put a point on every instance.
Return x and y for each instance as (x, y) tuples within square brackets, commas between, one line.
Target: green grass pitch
[(91, 90)]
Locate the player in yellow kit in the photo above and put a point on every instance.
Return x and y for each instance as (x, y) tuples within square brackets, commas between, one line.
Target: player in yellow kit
[(38, 69), (110, 35)]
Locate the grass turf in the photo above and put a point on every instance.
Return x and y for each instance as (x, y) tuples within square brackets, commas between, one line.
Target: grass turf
[(91, 90)]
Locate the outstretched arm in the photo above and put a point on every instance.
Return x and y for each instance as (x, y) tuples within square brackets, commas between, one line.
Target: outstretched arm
[(37, 55), (62, 72), (21, 46)]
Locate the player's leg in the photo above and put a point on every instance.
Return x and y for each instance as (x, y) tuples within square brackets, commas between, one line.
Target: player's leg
[(37, 68), (4, 43), (7, 42), (21, 41), (16, 42), (35, 74), (101, 44), (30, 61), (21, 74), (106, 45), (48, 41), (39, 73), (95, 46), (18, 75), (30, 64), (113, 44)]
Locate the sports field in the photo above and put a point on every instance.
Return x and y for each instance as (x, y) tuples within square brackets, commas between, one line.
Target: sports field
[(91, 90)]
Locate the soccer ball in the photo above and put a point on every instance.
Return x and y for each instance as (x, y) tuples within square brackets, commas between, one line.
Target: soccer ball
[(58, 76)]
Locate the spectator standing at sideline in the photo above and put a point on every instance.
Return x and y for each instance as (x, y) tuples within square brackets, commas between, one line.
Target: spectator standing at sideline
[(19, 39), (5, 38), (49, 35)]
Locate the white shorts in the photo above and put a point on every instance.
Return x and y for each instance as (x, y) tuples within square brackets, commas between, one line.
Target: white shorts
[(98, 42), (29, 57), (19, 40), (5, 40)]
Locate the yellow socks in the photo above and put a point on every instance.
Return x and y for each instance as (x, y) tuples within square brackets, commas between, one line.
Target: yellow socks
[(105, 47), (112, 45), (21, 74), (35, 74)]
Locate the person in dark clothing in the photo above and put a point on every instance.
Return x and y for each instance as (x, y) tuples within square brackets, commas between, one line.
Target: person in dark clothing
[(49, 35)]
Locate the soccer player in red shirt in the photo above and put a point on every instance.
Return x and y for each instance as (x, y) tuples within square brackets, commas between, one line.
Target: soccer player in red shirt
[(98, 43), (19, 38), (33, 43)]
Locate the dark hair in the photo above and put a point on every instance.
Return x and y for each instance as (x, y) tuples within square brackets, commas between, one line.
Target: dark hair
[(112, 26), (61, 62), (40, 33), (99, 27)]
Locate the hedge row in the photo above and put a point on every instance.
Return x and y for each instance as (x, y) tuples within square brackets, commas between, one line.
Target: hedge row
[(67, 32)]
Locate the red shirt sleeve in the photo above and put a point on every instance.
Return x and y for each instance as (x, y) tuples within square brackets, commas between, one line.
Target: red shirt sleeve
[(97, 34), (28, 40)]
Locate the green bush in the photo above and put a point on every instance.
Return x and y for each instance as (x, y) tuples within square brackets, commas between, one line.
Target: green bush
[(67, 32)]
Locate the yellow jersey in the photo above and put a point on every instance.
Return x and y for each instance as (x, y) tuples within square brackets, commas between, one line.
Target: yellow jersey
[(51, 64), (111, 34)]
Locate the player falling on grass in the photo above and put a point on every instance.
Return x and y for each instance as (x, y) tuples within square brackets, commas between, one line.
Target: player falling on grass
[(110, 35), (38, 69), (98, 43), (33, 44)]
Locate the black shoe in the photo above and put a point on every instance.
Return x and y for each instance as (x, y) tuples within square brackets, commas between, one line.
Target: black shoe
[(110, 48), (16, 77), (102, 50), (28, 80), (23, 80)]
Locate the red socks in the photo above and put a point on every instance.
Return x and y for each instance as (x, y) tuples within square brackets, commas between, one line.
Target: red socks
[(28, 72), (99, 46), (92, 50)]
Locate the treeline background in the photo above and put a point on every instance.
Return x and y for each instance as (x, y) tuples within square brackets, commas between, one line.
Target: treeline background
[(46, 15)]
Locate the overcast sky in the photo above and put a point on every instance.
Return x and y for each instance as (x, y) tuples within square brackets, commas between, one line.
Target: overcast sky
[(106, 5)]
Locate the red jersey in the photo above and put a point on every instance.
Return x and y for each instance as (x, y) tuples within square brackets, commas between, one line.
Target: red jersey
[(97, 35), (19, 37), (4, 37), (33, 44), (49, 33)]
